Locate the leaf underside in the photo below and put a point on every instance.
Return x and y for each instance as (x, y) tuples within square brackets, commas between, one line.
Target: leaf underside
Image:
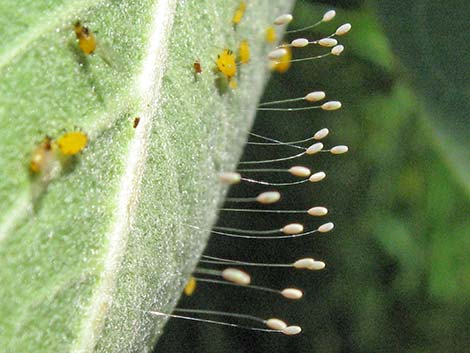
[(84, 256)]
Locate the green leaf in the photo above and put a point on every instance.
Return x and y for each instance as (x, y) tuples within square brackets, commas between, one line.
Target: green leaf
[(89, 246), (430, 39)]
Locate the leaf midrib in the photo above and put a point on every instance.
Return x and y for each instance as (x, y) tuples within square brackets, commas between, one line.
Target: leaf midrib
[(148, 85)]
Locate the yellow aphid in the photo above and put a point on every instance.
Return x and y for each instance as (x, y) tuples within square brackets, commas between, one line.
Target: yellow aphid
[(86, 39), (41, 156), (226, 63), (239, 12), (190, 286), (282, 64), (72, 142), (270, 35), (244, 52)]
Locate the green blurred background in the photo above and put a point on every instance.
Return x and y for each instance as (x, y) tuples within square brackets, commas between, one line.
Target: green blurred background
[(398, 261)]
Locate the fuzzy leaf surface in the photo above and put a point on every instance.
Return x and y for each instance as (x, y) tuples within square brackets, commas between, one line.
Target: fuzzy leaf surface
[(83, 256)]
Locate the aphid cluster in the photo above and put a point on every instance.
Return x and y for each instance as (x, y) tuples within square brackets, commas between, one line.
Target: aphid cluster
[(218, 271), (49, 151), (51, 154), (227, 61)]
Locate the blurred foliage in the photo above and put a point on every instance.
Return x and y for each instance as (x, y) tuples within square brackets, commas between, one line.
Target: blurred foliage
[(397, 276), (431, 40)]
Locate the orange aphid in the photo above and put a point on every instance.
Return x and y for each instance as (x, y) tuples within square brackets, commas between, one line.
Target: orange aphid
[(190, 286), (86, 38), (41, 156), (72, 142)]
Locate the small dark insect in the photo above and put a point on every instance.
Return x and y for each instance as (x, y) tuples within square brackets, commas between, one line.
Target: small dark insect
[(197, 67), (136, 122)]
